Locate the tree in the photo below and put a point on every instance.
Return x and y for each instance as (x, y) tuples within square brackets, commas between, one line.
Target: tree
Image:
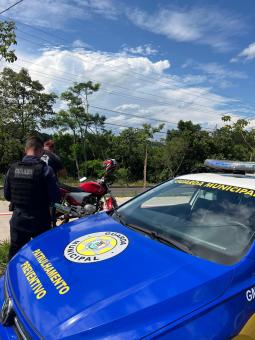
[(234, 141), (7, 38), (174, 154), (24, 109), (77, 118), (186, 148), (23, 103), (146, 135), (126, 149)]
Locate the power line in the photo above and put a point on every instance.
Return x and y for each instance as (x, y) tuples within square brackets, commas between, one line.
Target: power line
[(34, 36), (137, 116), (7, 9), (120, 93), (67, 80), (111, 92), (131, 114), (125, 113), (130, 127), (38, 29), (130, 71), (125, 88), (35, 43)]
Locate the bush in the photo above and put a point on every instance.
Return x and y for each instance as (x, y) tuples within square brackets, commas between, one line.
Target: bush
[(92, 168), (4, 250), (122, 175), (1, 179)]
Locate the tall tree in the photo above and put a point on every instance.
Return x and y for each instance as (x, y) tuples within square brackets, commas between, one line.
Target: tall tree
[(234, 140), (77, 117), (127, 150), (186, 148), (174, 154), (23, 103), (24, 109), (146, 135), (7, 39)]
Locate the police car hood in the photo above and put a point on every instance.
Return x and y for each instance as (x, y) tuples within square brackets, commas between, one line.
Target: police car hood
[(142, 285)]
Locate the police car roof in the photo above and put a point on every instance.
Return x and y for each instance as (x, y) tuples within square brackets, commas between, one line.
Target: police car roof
[(244, 181)]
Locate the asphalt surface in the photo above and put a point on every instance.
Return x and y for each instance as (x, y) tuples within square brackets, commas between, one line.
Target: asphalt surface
[(127, 191), (5, 216), (117, 191)]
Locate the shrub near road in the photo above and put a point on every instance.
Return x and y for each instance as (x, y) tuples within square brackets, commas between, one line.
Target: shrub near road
[(4, 249)]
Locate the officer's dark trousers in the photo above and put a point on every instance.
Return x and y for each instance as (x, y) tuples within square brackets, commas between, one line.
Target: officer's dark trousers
[(24, 226)]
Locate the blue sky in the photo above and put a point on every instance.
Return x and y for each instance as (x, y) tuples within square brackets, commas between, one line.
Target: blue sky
[(166, 60)]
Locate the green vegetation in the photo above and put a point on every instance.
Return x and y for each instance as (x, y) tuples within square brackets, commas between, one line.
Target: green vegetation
[(7, 39), (83, 140), (4, 250), (1, 180)]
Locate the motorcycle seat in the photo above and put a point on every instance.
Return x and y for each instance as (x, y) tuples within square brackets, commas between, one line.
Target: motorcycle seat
[(69, 188)]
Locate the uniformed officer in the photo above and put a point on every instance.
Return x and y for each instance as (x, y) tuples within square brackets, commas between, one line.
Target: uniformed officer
[(31, 187)]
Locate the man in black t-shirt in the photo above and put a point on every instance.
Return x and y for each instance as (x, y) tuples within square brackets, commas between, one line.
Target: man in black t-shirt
[(51, 159)]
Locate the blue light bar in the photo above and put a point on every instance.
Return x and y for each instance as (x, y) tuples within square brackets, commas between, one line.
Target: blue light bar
[(248, 167)]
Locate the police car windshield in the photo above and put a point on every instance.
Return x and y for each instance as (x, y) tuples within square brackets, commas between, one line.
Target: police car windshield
[(214, 222)]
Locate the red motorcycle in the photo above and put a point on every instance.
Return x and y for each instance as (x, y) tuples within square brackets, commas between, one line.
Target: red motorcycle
[(89, 197)]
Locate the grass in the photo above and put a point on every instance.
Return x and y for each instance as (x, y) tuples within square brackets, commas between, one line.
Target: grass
[(1, 180), (1, 185), (132, 184), (4, 250)]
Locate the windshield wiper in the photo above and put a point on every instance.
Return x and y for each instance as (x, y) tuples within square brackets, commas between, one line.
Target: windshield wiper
[(162, 238), (176, 244), (154, 235), (119, 217)]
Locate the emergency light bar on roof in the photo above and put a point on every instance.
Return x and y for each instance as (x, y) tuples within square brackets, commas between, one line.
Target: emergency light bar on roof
[(231, 166)]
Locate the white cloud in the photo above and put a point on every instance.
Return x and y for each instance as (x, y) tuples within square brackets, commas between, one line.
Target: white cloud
[(220, 71), (127, 107), (145, 50), (56, 14), (248, 53), (215, 73), (80, 44), (207, 26), (134, 85)]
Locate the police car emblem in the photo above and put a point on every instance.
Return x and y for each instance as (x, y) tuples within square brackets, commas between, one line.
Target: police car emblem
[(96, 247)]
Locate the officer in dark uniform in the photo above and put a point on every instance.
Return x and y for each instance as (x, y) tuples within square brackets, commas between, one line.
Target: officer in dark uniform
[(31, 187)]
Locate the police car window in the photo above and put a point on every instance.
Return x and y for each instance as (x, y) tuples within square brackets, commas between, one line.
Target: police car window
[(171, 196), (216, 224), (207, 195)]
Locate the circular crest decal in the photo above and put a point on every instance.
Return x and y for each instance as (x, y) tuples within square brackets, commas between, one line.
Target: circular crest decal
[(96, 247)]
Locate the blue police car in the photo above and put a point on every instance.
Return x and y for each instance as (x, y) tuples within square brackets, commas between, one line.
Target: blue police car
[(177, 262)]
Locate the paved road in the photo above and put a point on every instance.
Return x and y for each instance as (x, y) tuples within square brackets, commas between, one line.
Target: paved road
[(4, 220), (127, 191), (5, 216), (117, 191)]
